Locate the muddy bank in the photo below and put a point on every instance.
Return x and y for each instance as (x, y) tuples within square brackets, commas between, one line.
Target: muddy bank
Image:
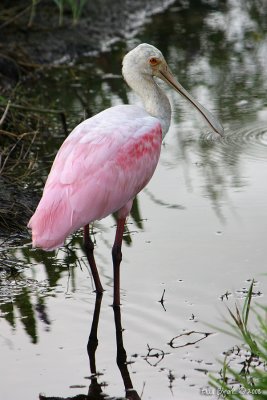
[(46, 41)]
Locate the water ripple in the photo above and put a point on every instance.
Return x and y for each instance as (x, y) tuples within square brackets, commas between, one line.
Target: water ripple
[(249, 141)]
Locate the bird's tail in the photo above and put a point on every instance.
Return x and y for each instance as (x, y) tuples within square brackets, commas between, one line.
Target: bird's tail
[(51, 223)]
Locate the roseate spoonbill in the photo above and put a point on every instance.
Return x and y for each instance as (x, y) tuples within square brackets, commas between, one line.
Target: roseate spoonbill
[(108, 159)]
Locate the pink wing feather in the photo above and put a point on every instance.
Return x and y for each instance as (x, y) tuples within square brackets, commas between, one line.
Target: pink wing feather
[(100, 167)]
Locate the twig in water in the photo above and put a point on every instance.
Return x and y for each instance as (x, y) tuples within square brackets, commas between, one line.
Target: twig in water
[(161, 301)]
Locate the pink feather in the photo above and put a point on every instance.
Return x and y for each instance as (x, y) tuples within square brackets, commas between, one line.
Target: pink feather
[(98, 170)]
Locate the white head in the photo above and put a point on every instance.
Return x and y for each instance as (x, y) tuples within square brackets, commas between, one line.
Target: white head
[(147, 61), (143, 59)]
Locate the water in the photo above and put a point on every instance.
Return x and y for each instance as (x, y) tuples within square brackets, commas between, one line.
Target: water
[(196, 236)]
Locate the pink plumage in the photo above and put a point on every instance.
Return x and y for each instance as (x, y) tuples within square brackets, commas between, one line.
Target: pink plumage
[(108, 159), (98, 170)]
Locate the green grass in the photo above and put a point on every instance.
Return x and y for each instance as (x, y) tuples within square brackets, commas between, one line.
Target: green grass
[(248, 378), (76, 7), (60, 5)]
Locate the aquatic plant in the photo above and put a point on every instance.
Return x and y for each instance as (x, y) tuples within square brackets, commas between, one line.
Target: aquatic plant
[(32, 14), (76, 7), (60, 4), (251, 380)]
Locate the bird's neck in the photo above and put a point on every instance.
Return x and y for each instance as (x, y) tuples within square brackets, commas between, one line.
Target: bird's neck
[(155, 101)]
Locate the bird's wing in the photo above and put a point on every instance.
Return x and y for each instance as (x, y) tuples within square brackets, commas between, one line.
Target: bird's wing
[(102, 165)]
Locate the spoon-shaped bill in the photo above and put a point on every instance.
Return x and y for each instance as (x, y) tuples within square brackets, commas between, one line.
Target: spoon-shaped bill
[(167, 76)]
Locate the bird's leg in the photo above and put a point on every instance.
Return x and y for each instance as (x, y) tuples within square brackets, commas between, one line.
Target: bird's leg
[(89, 251), (117, 256)]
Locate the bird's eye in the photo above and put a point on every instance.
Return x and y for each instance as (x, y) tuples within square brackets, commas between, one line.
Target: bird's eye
[(154, 61)]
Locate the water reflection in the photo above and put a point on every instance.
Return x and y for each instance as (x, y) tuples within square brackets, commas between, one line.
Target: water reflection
[(25, 295), (95, 388)]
